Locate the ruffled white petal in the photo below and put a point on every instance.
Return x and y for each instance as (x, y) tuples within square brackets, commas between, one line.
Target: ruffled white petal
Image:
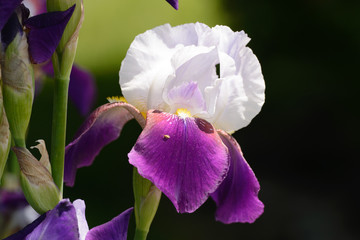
[(241, 96), (164, 64)]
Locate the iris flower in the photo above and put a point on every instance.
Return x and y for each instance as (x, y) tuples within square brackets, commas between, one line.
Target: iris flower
[(196, 85), (67, 221)]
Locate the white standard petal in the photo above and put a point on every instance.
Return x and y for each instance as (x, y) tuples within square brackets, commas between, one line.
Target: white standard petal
[(241, 96), (147, 64), (192, 65)]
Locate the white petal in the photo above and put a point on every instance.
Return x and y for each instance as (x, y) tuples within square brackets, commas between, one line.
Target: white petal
[(147, 64), (80, 214), (241, 96)]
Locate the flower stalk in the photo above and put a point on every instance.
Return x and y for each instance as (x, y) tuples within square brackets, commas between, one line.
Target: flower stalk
[(147, 199), (63, 60)]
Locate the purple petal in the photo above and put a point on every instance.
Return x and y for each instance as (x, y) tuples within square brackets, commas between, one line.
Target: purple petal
[(21, 235), (103, 126), (174, 3), (7, 8), (116, 229), (57, 224), (10, 30), (11, 200), (237, 197), (184, 157), (82, 90), (45, 33)]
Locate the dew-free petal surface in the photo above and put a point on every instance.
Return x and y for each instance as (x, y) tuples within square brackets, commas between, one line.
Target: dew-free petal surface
[(237, 196), (57, 224), (103, 126), (82, 89), (45, 32), (7, 8), (116, 229)]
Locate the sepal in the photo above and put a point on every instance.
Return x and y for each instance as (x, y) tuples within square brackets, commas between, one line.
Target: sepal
[(18, 87), (36, 181)]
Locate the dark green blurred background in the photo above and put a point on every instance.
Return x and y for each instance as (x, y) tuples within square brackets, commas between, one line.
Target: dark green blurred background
[(301, 146)]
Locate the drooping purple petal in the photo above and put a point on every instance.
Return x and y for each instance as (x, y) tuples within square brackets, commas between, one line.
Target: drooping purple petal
[(174, 3), (116, 229), (45, 33), (103, 126), (7, 8), (82, 89), (57, 224), (184, 157), (237, 196)]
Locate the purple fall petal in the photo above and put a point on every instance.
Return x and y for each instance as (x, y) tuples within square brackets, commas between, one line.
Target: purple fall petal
[(57, 224), (116, 229), (7, 8), (103, 126), (184, 157), (82, 90), (45, 33), (237, 196), (174, 3), (21, 235)]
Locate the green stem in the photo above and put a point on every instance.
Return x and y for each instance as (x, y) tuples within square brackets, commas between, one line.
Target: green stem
[(140, 234), (58, 135)]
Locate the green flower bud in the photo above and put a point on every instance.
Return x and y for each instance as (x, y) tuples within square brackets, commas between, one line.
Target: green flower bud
[(147, 198), (18, 87), (66, 50), (36, 180)]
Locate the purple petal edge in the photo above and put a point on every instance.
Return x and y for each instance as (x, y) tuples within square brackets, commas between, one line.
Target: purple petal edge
[(184, 157), (45, 33), (116, 229), (174, 3), (103, 126), (7, 7), (237, 196)]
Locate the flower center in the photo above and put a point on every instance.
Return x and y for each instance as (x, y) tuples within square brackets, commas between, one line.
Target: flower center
[(183, 113)]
